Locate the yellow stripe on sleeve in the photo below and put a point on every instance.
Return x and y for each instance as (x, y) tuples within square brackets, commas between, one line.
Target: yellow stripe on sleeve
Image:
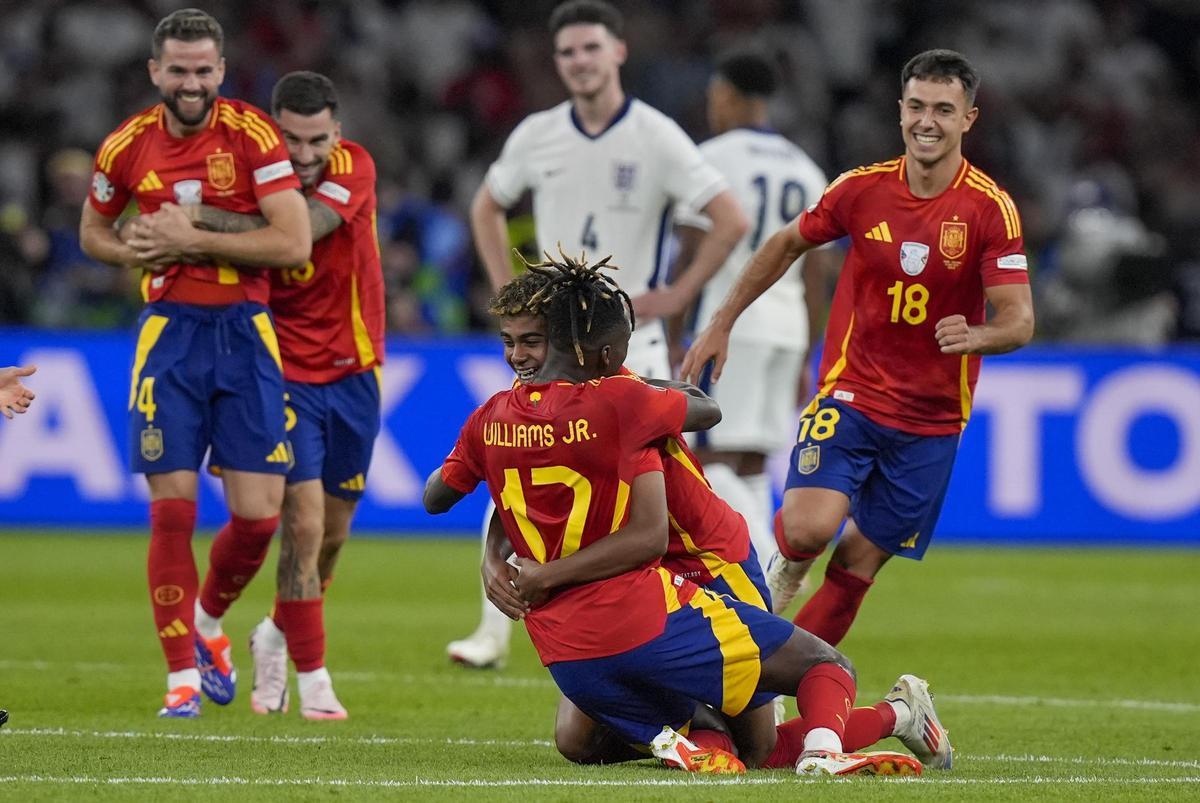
[(151, 331), (262, 322), (739, 652), (676, 452)]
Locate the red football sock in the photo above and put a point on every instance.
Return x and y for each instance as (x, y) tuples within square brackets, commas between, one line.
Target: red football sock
[(171, 570), (829, 613), (709, 739), (868, 725), (237, 553), (864, 727), (824, 698), (784, 548), (303, 624)]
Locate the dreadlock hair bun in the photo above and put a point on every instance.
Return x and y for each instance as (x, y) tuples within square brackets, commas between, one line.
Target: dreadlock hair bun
[(580, 303)]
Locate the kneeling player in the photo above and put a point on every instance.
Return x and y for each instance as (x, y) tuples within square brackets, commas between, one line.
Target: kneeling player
[(632, 645)]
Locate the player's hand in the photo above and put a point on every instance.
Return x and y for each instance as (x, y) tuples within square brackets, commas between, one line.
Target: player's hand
[(498, 578), (530, 581), (954, 336), (661, 302), (712, 344), (14, 396), (163, 233)]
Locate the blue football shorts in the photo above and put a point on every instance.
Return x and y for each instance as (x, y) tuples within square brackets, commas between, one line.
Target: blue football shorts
[(711, 651), (207, 377), (896, 481), (743, 581), (332, 428)]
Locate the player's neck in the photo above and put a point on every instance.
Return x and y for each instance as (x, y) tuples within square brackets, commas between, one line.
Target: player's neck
[(177, 129), (596, 112), (931, 180)]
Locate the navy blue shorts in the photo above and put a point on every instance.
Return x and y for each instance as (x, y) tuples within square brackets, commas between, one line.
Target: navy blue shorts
[(207, 377), (332, 428), (743, 581), (896, 481), (711, 651)]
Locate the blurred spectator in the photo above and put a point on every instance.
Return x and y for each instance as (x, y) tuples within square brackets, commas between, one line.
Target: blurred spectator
[(1074, 91)]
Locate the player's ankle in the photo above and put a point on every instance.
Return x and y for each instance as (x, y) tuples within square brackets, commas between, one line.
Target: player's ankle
[(183, 677), (307, 681), (207, 625)]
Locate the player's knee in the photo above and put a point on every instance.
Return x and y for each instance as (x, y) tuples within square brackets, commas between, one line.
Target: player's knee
[(574, 746), (805, 532), (304, 532)]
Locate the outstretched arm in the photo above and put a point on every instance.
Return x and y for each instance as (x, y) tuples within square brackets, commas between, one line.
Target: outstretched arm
[(766, 266)]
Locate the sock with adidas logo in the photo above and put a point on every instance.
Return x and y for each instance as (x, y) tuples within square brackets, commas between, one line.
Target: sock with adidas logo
[(171, 570)]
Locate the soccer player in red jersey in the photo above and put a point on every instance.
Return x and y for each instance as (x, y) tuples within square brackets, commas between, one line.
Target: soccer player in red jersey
[(330, 318), (934, 241), (633, 646), (708, 543), (206, 371), (14, 396)]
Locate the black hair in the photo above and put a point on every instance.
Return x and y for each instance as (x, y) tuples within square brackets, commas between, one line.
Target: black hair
[(944, 66), (187, 25), (582, 306), (304, 92), (587, 12), (749, 73), (514, 297)]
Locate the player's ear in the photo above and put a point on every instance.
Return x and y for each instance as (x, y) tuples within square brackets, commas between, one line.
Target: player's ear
[(153, 67), (221, 71), (971, 116), (621, 50)]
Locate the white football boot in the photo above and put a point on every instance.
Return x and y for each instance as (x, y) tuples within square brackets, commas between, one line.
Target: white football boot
[(785, 579), (480, 650), (824, 762), (270, 692), (923, 734)]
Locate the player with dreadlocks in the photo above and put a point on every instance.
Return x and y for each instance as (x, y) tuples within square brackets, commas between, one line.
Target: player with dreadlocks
[(569, 459)]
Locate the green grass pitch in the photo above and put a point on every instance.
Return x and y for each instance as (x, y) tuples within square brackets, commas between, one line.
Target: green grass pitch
[(1061, 674)]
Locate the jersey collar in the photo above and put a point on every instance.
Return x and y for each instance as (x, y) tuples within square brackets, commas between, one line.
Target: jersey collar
[(618, 117)]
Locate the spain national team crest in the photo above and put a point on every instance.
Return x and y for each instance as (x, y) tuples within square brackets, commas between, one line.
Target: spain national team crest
[(152, 443), (809, 459), (913, 257), (624, 176), (953, 243), (221, 171)]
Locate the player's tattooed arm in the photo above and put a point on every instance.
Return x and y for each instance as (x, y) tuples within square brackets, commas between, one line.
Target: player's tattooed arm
[(322, 218), (703, 412), (641, 540)]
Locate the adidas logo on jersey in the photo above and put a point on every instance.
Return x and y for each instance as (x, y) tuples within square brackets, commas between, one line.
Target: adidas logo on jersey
[(150, 182), (881, 233), (356, 483)]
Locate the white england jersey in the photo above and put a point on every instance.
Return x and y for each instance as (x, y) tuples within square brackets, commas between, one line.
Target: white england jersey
[(774, 181), (608, 194)]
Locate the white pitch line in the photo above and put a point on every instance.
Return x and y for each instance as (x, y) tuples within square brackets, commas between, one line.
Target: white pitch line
[(684, 781), (235, 738), (463, 677), (1094, 761)]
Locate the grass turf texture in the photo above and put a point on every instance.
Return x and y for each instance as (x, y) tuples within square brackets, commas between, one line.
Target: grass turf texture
[(1066, 675)]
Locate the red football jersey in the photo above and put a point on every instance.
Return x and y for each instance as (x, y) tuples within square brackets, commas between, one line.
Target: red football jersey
[(559, 460), (330, 314), (238, 159), (706, 533), (912, 262)]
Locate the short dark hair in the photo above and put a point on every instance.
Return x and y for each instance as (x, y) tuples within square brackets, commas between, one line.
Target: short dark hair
[(514, 297), (187, 25), (304, 92), (943, 66), (587, 12), (749, 73)]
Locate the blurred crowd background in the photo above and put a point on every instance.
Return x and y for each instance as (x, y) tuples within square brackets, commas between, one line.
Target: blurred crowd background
[(1090, 117)]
